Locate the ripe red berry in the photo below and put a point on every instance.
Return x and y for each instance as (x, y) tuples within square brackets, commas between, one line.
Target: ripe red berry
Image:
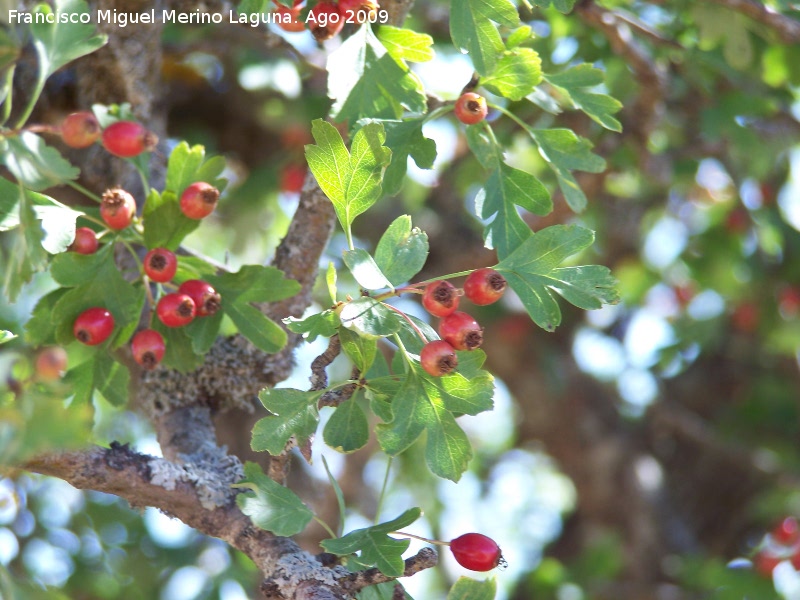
[(80, 129), (289, 18), (50, 363), (461, 331), (148, 348), (358, 11), (175, 310), (93, 326), (199, 200), (128, 138), (440, 298), (160, 265), (292, 178), (206, 299), (476, 552), (484, 286), (117, 208), (438, 358), (85, 241), (471, 108), (787, 532), (324, 21)]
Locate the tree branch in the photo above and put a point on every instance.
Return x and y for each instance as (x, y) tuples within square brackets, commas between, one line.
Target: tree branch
[(787, 29)]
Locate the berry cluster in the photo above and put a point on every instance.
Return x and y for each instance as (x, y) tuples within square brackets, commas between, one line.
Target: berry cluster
[(780, 544), (326, 18), (458, 330), (123, 138)]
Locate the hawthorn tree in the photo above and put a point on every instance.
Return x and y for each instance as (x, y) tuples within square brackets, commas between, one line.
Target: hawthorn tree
[(185, 216)]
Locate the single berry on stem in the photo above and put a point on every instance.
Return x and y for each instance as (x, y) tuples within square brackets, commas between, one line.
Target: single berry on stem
[(93, 326), (471, 108), (127, 139), (148, 348), (80, 129), (160, 265), (484, 286), (85, 241), (324, 21), (175, 310), (461, 331), (476, 552), (440, 298), (50, 363), (288, 19), (206, 299), (199, 200), (438, 358), (117, 208)]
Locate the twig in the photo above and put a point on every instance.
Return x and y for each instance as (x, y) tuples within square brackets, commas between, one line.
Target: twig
[(424, 559)]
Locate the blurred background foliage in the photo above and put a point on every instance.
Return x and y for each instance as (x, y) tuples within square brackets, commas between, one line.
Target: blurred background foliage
[(634, 453)]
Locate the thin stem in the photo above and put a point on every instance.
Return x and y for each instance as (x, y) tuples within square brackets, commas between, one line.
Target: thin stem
[(435, 114), (420, 538), (76, 186), (325, 526), (133, 253), (451, 276), (37, 91), (511, 116), (8, 102), (414, 288), (383, 490), (410, 322)]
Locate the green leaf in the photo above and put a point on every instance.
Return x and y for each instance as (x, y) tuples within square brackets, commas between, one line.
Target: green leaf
[(271, 507), (331, 277), (365, 80), (483, 146), (573, 83), (59, 43), (402, 251), (352, 180), (294, 413), (533, 272), (347, 430), (404, 44), (369, 318), (111, 379), (473, 31), (165, 225), (323, 324), (376, 547), (339, 494), (6, 336), (40, 328), (254, 283), (517, 73), (364, 269), (180, 354), (34, 163), (466, 588), (361, 350), (382, 591), (203, 332), (519, 36), (187, 165), (405, 139), (563, 6), (506, 189)]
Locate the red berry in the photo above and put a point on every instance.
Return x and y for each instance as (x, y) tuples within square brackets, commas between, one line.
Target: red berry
[(175, 310), (148, 348), (117, 208), (199, 200), (51, 362), (476, 552), (484, 286), (206, 299), (471, 108), (93, 326), (292, 178), (461, 331), (358, 11), (745, 317), (765, 563), (324, 21), (288, 18), (787, 532), (160, 265), (85, 241), (128, 139), (80, 129), (438, 358), (440, 298)]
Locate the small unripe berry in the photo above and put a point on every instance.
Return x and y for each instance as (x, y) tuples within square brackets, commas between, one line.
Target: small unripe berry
[(484, 286), (438, 358), (440, 298), (93, 326), (476, 552), (50, 363), (148, 348), (128, 138), (160, 265), (85, 241), (117, 208), (360, 11), (324, 21), (175, 310), (199, 200), (471, 108), (80, 129), (206, 299), (461, 331)]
